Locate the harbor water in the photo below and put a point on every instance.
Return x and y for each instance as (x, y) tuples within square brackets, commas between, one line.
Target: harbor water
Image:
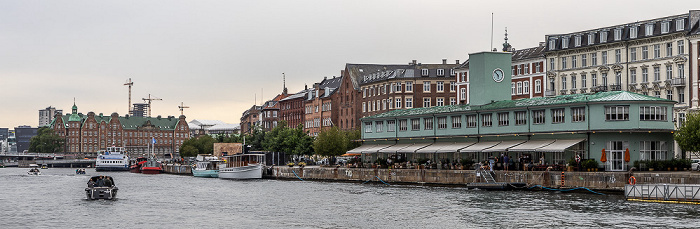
[(56, 199)]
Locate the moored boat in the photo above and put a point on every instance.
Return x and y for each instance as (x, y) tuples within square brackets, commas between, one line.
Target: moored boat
[(152, 166), (242, 166), (101, 187), (44, 166), (136, 165), (206, 166), (112, 159)]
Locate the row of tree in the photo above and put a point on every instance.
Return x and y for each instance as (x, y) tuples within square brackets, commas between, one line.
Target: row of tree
[(295, 141)]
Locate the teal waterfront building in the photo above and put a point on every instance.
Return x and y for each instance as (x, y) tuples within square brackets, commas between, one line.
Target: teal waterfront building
[(615, 128)]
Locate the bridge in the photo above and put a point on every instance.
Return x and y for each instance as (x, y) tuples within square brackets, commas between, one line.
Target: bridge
[(51, 160)]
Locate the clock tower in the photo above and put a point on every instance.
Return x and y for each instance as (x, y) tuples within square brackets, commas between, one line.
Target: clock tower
[(489, 77)]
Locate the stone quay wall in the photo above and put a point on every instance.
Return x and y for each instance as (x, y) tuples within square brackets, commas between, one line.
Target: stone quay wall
[(613, 181), (177, 169)]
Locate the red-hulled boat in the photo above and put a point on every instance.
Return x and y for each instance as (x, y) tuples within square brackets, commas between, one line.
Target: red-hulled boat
[(136, 166), (152, 166)]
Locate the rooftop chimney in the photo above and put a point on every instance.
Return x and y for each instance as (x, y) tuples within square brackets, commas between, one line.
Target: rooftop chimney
[(456, 61), (413, 62), (444, 61)]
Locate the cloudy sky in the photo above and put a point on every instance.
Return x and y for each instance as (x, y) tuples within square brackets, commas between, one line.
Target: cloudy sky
[(219, 56)]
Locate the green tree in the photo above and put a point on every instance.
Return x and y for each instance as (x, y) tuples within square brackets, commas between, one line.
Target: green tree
[(188, 151), (46, 141), (301, 143), (352, 137), (331, 142), (201, 145), (688, 134), (255, 139)]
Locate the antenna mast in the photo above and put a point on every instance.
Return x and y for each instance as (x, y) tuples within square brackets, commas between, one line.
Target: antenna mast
[(149, 103), (129, 83), (491, 32)]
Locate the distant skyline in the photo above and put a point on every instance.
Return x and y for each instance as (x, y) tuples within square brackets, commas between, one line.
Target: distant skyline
[(221, 57)]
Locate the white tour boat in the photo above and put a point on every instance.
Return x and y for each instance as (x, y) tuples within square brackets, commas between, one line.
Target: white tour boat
[(112, 159), (242, 166)]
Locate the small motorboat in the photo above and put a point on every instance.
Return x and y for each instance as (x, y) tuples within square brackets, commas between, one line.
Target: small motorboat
[(101, 187), (44, 166), (34, 170), (79, 171), (136, 165)]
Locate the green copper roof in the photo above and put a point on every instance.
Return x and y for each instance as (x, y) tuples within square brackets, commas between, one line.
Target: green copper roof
[(609, 96), (74, 117), (128, 123)]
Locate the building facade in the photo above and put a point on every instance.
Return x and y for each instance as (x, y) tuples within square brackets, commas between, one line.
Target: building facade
[(318, 106), (139, 110), (250, 119), (605, 126), (292, 108), (47, 114), (88, 134), (348, 93), (23, 135), (528, 73)]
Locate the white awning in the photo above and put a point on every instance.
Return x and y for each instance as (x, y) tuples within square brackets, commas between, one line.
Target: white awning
[(376, 148), (394, 148), (361, 148), (531, 146), (503, 146), (413, 148), (560, 145), (435, 147), (455, 147), (478, 147)]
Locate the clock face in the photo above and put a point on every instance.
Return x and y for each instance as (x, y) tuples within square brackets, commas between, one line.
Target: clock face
[(498, 75)]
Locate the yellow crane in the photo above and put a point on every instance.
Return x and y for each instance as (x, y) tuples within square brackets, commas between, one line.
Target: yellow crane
[(149, 99), (182, 108)]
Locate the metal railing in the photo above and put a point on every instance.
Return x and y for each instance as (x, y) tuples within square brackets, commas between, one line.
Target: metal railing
[(666, 192), (678, 81), (615, 87)]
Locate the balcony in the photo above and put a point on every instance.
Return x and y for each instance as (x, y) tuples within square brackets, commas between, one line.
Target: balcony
[(599, 88), (678, 82), (615, 87), (550, 93)]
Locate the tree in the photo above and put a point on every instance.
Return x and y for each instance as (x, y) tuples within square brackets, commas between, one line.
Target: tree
[(201, 145), (331, 142), (188, 151), (352, 137), (46, 141), (688, 134), (302, 143)]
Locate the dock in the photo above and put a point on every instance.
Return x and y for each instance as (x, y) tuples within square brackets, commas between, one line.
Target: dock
[(665, 193)]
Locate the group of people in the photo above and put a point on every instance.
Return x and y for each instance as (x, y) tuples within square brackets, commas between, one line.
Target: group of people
[(100, 181), (504, 159), (524, 162), (80, 171)]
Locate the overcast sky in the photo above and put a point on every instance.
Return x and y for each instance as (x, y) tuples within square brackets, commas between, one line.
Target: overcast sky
[(219, 56)]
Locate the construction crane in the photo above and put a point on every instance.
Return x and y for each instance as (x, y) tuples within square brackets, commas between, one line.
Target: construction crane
[(182, 108), (129, 83), (149, 103)]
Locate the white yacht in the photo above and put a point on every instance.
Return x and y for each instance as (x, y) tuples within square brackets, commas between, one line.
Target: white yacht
[(112, 159), (242, 166)]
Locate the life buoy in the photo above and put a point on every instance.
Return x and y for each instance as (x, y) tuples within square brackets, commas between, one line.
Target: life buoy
[(632, 180)]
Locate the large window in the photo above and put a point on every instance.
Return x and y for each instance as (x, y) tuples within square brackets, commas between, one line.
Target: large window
[(486, 120), (681, 47), (618, 56), (428, 123), (573, 61), (617, 113), (403, 125), (657, 51), (409, 102), (652, 150), (390, 125), (456, 122), (583, 60), (415, 124), (426, 86), (503, 119), (426, 102), (538, 86), (409, 86), (633, 32), (594, 59), (520, 117), (558, 115), (538, 117), (398, 103), (645, 52), (440, 101), (652, 113), (578, 114), (440, 86), (526, 87), (368, 127), (604, 57), (442, 122), (379, 126), (657, 73), (471, 121), (633, 54)]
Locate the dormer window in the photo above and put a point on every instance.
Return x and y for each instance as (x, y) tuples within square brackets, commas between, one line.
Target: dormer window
[(452, 72), (552, 44), (649, 30), (633, 32), (680, 24), (591, 38), (603, 36), (424, 72), (564, 42), (618, 34), (665, 27), (577, 40), (441, 72)]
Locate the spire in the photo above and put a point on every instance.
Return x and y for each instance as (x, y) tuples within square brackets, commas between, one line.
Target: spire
[(75, 108), (506, 46)]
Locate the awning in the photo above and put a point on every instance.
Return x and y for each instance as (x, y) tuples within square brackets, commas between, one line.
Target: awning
[(351, 154), (413, 148), (531, 146), (478, 147), (505, 145), (376, 148), (560, 145), (394, 148), (455, 147), (435, 147), (361, 148)]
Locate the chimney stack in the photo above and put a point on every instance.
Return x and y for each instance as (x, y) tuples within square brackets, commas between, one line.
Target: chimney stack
[(444, 61), (456, 61), (413, 62)]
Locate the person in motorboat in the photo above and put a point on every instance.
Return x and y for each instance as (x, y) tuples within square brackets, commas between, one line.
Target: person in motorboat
[(91, 183)]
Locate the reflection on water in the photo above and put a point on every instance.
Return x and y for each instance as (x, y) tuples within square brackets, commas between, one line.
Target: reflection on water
[(57, 199)]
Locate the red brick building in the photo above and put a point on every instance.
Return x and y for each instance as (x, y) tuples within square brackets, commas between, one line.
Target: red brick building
[(318, 108), (250, 118), (348, 93), (292, 108), (528, 73), (88, 134)]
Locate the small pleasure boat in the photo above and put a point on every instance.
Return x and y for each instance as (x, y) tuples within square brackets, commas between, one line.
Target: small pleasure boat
[(101, 187), (34, 170)]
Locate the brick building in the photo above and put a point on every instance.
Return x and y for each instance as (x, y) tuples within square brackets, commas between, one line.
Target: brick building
[(319, 103), (292, 108), (88, 134), (250, 118)]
